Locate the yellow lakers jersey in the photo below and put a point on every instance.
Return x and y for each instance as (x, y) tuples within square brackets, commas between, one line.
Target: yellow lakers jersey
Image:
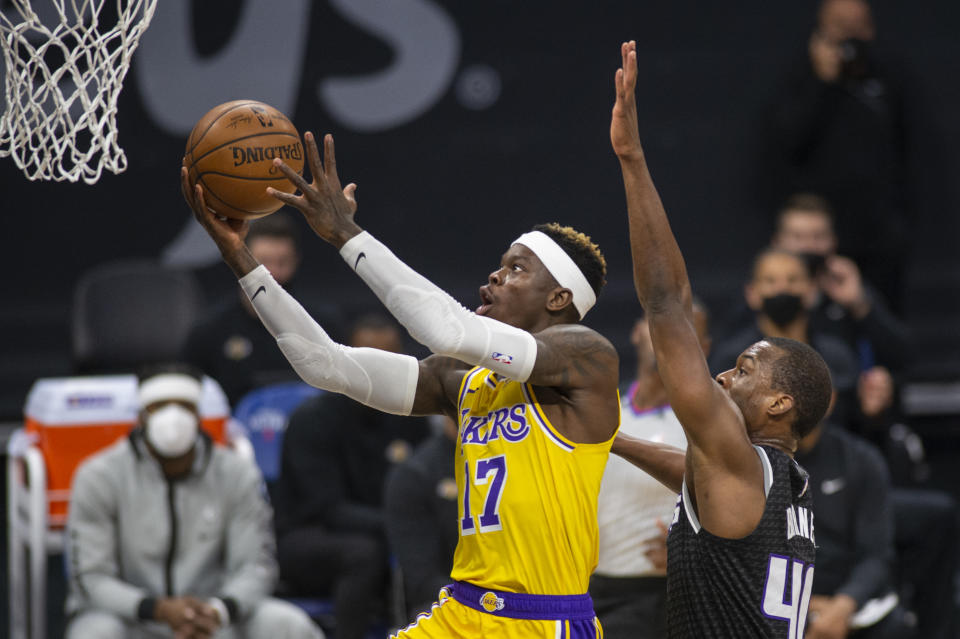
[(527, 495)]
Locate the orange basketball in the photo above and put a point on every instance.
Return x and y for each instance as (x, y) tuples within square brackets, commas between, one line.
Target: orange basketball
[(230, 153)]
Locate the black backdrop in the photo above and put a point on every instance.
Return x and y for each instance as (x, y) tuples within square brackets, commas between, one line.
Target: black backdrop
[(515, 132)]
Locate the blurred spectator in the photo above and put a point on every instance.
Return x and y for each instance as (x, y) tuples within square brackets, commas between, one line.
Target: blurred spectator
[(329, 496), (926, 527), (838, 129), (230, 344), (846, 305), (629, 585), (421, 510), (854, 592), (780, 294), (170, 534), (878, 421)]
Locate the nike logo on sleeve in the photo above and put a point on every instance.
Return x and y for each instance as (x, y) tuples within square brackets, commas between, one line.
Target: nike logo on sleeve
[(262, 289), (359, 257)]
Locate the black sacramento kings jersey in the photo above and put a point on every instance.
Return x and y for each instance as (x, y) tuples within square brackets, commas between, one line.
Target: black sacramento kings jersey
[(757, 586)]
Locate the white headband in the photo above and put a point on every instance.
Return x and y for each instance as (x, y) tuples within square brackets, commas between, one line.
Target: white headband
[(167, 387), (563, 269)]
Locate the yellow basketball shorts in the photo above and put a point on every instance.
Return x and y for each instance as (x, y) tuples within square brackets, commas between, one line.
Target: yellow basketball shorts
[(469, 612)]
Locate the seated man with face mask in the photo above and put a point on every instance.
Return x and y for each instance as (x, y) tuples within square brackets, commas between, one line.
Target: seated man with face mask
[(169, 534), (781, 293)]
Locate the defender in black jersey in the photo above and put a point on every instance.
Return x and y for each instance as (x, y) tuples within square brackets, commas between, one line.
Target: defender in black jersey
[(741, 545)]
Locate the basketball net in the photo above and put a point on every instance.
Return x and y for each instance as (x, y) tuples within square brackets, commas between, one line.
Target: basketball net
[(63, 78)]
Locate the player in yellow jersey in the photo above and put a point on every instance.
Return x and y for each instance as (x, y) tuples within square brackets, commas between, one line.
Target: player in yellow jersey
[(534, 393)]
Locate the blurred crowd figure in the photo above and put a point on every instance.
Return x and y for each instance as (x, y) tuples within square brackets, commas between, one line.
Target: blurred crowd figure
[(170, 535), (854, 589), (845, 305), (781, 293), (838, 129), (229, 343), (329, 497)]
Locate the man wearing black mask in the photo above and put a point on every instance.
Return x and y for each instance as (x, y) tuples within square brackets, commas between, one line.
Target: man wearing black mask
[(781, 293), (847, 305)]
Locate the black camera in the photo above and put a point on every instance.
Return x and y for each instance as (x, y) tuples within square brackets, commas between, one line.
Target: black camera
[(854, 58)]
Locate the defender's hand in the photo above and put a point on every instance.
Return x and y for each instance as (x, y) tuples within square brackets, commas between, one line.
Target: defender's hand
[(328, 207), (655, 548), (624, 132)]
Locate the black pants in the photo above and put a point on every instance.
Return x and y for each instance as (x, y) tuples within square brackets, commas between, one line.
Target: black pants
[(630, 607), (926, 535), (350, 567)]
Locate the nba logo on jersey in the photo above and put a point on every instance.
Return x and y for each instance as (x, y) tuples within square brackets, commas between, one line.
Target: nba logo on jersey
[(503, 358), (491, 602)]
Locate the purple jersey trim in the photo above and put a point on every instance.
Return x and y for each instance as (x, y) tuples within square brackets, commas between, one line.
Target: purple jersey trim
[(542, 420)]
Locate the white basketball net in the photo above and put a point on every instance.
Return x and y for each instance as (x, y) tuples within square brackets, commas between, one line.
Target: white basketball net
[(63, 78)]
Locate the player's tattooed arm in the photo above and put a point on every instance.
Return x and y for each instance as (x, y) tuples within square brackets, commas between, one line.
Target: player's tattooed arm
[(438, 386), (663, 462), (574, 356)]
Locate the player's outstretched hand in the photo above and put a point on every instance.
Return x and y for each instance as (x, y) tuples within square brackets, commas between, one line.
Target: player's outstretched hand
[(227, 233), (624, 132), (327, 206)]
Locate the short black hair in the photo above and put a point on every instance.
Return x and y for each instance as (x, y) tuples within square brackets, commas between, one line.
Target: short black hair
[(802, 373), (582, 250), (168, 368), (278, 225)]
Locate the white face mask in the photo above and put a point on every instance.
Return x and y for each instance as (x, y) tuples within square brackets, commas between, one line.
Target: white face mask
[(171, 430)]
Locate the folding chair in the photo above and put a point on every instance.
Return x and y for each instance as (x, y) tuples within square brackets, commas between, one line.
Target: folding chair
[(66, 420)]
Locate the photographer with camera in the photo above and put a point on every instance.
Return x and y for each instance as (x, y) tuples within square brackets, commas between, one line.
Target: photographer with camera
[(838, 130)]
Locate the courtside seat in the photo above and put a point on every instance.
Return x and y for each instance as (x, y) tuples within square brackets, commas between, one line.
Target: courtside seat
[(65, 421), (130, 313), (263, 414)]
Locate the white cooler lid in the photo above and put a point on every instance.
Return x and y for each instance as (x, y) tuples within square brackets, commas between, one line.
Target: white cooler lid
[(103, 399)]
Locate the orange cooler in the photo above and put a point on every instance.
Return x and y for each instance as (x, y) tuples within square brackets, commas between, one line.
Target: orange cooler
[(70, 418)]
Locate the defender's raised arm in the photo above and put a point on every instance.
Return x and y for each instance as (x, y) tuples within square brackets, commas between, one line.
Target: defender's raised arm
[(719, 446)]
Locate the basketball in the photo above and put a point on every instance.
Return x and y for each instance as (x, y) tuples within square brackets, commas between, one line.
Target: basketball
[(230, 153)]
